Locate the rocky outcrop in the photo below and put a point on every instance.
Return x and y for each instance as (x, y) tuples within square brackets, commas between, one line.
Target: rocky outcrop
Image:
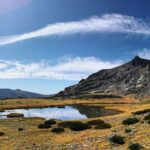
[(130, 79)]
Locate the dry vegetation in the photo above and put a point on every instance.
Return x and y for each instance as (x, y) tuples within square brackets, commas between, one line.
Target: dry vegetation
[(33, 138)]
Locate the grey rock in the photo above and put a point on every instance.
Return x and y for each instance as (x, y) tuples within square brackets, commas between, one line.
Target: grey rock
[(130, 79)]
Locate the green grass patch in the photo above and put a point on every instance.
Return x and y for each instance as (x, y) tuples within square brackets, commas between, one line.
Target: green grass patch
[(44, 126), (103, 126), (141, 112), (128, 130), (50, 122), (2, 133), (75, 125), (57, 130), (130, 121), (117, 139), (95, 122), (135, 146)]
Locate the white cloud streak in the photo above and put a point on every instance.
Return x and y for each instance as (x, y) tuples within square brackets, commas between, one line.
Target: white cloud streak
[(145, 53), (108, 23), (70, 69)]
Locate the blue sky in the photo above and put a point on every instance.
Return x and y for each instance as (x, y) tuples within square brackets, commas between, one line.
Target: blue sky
[(46, 45)]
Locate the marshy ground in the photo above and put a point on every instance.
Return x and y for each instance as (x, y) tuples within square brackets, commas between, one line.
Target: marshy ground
[(24, 134)]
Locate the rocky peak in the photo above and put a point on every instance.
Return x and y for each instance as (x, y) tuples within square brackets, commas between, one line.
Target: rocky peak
[(140, 61), (129, 79)]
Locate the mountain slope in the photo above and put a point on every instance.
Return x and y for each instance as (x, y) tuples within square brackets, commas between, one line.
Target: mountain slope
[(8, 93), (130, 79)]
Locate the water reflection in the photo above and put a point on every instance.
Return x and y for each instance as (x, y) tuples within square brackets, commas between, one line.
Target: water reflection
[(63, 113)]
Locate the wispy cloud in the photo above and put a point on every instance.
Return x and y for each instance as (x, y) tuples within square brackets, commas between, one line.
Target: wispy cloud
[(69, 69), (145, 53), (110, 23)]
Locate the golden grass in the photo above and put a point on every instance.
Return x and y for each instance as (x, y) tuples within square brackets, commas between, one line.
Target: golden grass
[(32, 138)]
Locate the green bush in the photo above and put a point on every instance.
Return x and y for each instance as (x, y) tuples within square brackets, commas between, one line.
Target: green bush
[(103, 126), (20, 129), (130, 121), (65, 124), (44, 126), (74, 125), (79, 126), (141, 112), (148, 121), (95, 122), (128, 130), (57, 130), (117, 139), (15, 115), (147, 117), (2, 133), (135, 146), (50, 122)]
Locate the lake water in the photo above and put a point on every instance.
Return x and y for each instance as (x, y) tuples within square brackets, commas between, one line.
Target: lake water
[(63, 113)]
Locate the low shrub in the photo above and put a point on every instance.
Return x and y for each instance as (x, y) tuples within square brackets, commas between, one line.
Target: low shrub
[(135, 146), (147, 117), (130, 121), (95, 122), (2, 133), (148, 121), (117, 139), (79, 126), (141, 112), (44, 126), (65, 124), (57, 130), (74, 125), (128, 130), (20, 129), (15, 115), (51, 121), (103, 126)]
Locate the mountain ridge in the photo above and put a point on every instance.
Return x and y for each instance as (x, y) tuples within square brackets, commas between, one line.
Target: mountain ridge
[(130, 79), (9, 93)]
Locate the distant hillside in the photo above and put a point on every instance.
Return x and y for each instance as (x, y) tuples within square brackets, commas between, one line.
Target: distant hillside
[(130, 79), (8, 93)]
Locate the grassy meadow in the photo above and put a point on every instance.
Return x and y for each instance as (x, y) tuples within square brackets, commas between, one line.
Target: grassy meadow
[(86, 134)]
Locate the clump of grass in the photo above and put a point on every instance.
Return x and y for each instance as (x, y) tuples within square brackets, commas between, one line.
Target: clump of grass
[(57, 130), (15, 115), (74, 125), (79, 126), (44, 126), (147, 117), (2, 133), (95, 122), (103, 126), (128, 130), (117, 139), (135, 146), (20, 129), (141, 112), (130, 121), (50, 122), (65, 124)]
